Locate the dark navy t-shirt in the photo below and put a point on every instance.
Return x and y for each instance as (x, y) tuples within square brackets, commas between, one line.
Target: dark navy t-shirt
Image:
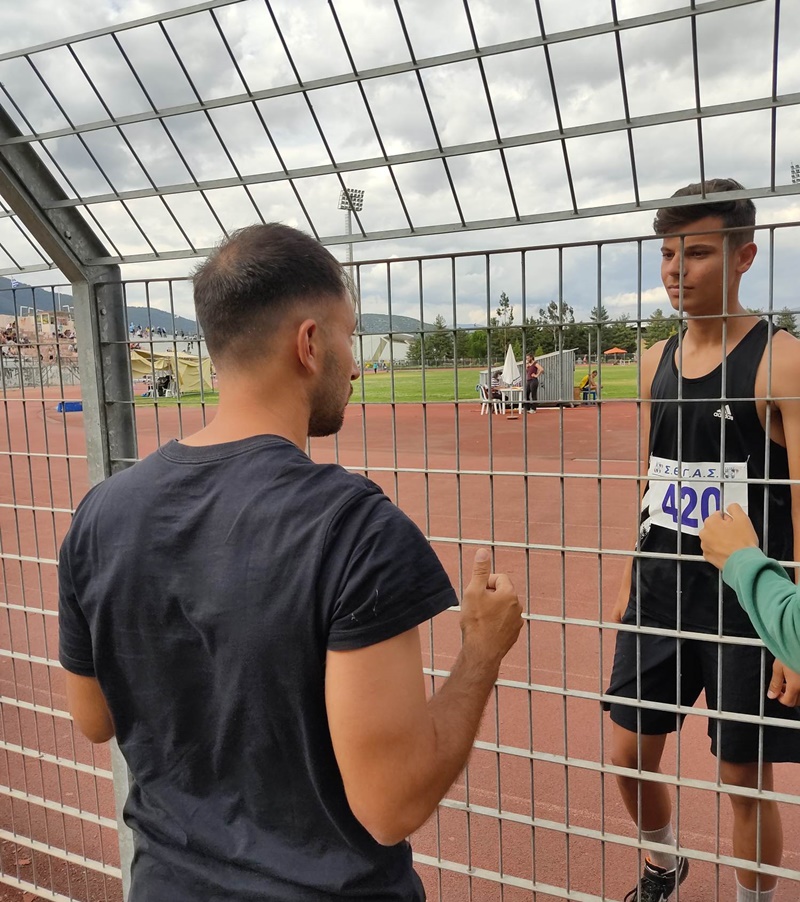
[(203, 588)]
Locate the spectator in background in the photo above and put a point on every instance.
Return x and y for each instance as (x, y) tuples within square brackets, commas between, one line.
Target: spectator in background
[(588, 387), (533, 371)]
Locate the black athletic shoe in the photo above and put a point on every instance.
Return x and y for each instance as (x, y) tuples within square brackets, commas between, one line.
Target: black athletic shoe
[(658, 884)]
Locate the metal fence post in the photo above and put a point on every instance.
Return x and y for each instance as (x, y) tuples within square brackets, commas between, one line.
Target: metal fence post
[(100, 323)]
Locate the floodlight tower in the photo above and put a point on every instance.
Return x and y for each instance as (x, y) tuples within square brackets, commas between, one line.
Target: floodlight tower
[(795, 170), (350, 200)]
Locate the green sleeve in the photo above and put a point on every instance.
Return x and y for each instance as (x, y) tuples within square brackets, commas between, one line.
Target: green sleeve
[(771, 600)]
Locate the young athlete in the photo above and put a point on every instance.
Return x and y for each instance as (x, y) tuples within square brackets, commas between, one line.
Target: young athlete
[(704, 424)]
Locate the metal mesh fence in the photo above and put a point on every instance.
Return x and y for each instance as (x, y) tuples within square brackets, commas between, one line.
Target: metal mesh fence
[(555, 495), (58, 828)]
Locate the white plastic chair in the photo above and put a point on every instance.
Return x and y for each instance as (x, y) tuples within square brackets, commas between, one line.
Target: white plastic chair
[(488, 402)]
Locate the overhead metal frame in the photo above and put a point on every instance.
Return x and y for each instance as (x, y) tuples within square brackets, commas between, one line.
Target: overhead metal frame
[(45, 142)]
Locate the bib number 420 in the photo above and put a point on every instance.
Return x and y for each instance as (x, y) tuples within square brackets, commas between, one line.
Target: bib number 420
[(683, 507)]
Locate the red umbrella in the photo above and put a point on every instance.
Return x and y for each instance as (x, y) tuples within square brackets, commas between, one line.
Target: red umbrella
[(615, 351)]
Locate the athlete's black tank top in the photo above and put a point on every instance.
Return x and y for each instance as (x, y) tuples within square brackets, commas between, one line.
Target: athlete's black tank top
[(687, 482)]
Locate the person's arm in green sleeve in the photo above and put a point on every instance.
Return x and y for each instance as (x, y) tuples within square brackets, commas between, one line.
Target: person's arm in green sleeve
[(771, 599), (763, 587)]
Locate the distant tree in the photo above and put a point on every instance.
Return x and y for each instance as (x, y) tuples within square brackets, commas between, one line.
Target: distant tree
[(439, 344), (619, 334), (414, 352), (660, 327), (434, 347), (501, 323), (555, 319), (534, 336), (463, 346), (787, 320), (477, 345)]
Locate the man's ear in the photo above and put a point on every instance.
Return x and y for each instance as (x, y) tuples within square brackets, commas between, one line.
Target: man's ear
[(745, 255), (309, 346)]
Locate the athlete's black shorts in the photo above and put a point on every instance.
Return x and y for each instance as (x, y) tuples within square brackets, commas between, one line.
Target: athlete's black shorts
[(741, 679)]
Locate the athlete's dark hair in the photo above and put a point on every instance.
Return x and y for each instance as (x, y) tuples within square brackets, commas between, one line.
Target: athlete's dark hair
[(738, 214), (251, 280)]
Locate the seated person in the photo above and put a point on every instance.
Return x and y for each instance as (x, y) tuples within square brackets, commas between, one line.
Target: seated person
[(588, 387)]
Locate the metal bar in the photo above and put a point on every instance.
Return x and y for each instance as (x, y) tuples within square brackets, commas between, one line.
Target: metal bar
[(471, 226), (556, 108), (428, 109), (57, 760), (625, 104), (492, 114), (61, 854), (27, 185), (310, 107), (442, 152), (41, 802), (374, 124), (711, 6)]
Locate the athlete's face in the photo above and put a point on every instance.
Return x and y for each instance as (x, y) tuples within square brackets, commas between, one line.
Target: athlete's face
[(707, 284), (333, 389)]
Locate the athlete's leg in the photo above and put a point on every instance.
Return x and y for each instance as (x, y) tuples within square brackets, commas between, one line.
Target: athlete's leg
[(647, 803), (757, 830)]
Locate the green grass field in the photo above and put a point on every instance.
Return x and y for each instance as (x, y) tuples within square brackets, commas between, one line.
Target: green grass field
[(409, 386)]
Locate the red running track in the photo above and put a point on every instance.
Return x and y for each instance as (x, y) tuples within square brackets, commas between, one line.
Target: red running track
[(580, 496)]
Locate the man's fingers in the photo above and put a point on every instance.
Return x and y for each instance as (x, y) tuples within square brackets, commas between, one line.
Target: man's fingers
[(502, 583), (776, 683), (482, 567), (735, 511)]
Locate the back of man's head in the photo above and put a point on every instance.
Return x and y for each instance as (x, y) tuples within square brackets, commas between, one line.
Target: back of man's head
[(735, 214), (252, 280)]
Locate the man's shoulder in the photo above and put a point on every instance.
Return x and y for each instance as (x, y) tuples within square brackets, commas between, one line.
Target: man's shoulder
[(342, 489), (784, 349)]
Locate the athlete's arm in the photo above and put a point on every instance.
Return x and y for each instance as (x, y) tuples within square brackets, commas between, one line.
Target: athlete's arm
[(87, 705), (398, 753), (647, 367), (785, 380)]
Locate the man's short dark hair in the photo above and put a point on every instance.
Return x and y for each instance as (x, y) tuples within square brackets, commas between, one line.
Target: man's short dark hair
[(735, 214), (248, 283)]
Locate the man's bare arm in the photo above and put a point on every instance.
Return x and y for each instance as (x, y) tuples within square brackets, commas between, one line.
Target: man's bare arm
[(87, 705), (785, 381), (397, 752)]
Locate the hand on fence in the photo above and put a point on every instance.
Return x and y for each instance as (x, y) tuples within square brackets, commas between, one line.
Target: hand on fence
[(724, 533), (491, 615), (785, 685)]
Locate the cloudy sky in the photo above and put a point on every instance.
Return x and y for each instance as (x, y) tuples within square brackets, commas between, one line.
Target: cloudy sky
[(735, 53)]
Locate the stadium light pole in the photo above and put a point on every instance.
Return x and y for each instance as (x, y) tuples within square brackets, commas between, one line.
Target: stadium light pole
[(795, 170), (350, 200)]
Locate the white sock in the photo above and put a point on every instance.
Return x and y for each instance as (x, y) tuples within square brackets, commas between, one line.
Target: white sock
[(743, 894), (668, 860)]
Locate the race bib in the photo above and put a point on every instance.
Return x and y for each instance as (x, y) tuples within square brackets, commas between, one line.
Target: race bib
[(681, 496)]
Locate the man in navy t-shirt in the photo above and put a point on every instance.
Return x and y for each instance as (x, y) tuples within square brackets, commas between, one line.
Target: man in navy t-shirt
[(244, 620)]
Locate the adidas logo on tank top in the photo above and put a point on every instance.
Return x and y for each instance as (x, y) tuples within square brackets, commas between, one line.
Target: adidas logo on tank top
[(724, 411)]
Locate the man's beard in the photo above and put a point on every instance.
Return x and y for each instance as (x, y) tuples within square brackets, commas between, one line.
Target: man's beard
[(327, 408)]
